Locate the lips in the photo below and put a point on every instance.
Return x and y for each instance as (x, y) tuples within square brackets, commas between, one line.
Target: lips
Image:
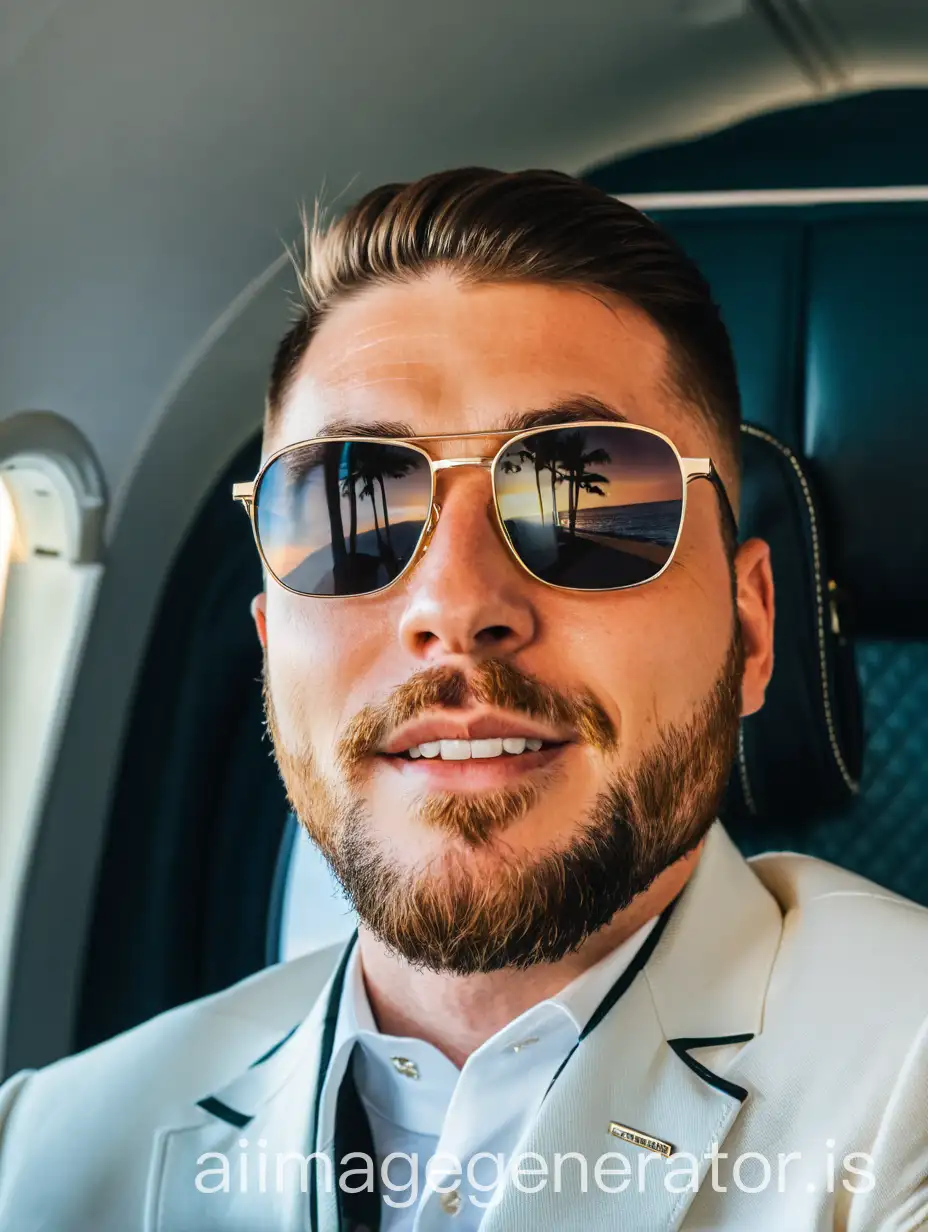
[(464, 750), (474, 773), (482, 730)]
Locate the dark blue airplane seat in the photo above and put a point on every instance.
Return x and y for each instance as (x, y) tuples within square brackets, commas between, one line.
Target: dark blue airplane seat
[(828, 311)]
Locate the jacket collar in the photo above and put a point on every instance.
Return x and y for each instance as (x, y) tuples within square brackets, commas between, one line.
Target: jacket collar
[(665, 1063), (710, 973), (266, 1111), (701, 991)]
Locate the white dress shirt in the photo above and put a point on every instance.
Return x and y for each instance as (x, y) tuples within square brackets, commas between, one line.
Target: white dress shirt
[(468, 1122)]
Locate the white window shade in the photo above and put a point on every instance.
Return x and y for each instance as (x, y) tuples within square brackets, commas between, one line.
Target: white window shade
[(51, 510)]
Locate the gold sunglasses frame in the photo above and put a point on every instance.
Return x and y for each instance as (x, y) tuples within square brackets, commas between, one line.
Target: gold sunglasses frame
[(690, 469)]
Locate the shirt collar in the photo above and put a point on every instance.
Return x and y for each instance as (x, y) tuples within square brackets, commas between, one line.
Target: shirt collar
[(577, 1001), (406, 1081)]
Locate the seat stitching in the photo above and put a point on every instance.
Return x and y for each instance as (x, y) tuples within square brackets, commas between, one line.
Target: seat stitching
[(851, 782)]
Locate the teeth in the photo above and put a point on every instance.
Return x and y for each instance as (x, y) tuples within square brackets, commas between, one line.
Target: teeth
[(455, 750), (486, 748), (462, 750)]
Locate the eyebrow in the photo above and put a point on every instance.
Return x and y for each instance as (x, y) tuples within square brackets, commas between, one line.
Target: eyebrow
[(565, 411)]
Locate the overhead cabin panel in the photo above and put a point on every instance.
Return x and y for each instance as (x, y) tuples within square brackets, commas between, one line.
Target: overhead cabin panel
[(154, 155)]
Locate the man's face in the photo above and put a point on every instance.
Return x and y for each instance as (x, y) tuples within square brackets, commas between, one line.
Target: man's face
[(483, 863)]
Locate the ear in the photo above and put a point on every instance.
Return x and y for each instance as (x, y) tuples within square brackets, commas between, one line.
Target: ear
[(756, 613), (259, 616)]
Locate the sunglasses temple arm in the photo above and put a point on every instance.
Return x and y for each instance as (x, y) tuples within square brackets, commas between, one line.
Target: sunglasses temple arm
[(728, 514)]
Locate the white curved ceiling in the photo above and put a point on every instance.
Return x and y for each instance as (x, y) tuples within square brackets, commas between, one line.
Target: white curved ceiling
[(154, 154)]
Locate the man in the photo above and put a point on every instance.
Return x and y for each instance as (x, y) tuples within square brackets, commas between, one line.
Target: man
[(508, 638)]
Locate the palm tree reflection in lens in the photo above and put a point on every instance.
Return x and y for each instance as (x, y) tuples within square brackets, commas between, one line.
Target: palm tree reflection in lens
[(562, 454), (593, 544), (307, 497), (364, 468)]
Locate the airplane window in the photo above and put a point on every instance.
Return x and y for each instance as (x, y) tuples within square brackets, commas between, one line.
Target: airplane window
[(48, 584), (46, 593), (315, 912)]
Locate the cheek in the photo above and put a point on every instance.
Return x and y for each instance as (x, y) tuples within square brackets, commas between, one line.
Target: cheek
[(315, 651), (650, 655)]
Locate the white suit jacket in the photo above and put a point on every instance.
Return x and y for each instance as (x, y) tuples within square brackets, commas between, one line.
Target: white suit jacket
[(783, 1012)]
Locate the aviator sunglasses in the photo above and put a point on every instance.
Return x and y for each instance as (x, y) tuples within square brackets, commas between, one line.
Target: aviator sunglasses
[(588, 506)]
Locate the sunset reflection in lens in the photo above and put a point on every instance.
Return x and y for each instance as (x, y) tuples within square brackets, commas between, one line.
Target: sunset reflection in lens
[(592, 508), (342, 517)]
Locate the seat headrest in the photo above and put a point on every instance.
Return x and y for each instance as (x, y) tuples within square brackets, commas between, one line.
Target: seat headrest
[(866, 430), (800, 755)]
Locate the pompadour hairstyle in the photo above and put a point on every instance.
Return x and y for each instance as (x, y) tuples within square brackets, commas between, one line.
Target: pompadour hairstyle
[(528, 226)]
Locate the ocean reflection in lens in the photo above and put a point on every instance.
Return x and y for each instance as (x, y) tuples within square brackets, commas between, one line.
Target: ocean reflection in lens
[(342, 517), (592, 508)]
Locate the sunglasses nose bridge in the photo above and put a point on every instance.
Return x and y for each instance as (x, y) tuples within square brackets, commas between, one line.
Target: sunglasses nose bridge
[(481, 462), (444, 464), (447, 464)]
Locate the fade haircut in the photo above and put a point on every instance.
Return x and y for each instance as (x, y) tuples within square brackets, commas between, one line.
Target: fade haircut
[(543, 227)]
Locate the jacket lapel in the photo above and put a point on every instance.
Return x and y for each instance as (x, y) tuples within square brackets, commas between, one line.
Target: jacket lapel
[(663, 1065), (218, 1169)]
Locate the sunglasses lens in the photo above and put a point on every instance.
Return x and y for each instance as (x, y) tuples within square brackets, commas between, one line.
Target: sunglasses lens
[(342, 517), (591, 508)]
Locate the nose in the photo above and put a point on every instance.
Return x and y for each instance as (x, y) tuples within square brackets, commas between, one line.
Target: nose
[(467, 595)]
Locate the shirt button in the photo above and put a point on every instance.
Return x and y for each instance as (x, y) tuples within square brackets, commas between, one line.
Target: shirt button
[(526, 1043), (404, 1066), (451, 1202)]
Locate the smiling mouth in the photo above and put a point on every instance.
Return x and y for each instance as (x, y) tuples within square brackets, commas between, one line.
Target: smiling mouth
[(454, 766), (506, 747)]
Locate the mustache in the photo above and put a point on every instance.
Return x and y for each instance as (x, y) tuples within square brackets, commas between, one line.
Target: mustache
[(494, 682)]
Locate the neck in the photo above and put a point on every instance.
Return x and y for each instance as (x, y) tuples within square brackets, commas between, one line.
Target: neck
[(458, 1013)]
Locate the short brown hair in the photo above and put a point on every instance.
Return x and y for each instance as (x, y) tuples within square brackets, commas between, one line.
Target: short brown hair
[(526, 226)]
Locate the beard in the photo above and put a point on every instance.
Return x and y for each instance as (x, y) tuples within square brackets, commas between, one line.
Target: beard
[(480, 907)]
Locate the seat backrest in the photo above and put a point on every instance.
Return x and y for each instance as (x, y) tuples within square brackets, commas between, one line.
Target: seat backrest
[(799, 756), (827, 306)]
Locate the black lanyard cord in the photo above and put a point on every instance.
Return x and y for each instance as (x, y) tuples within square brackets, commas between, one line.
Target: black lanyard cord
[(329, 1024), (619, 988)]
